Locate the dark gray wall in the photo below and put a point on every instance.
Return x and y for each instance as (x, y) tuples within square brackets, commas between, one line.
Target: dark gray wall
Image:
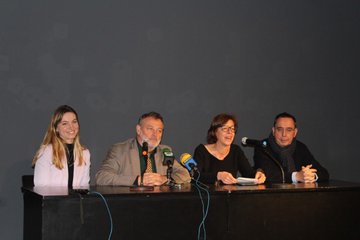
[(189, 60)]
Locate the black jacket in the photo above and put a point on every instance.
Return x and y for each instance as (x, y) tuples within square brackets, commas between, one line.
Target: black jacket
[(302, 157)]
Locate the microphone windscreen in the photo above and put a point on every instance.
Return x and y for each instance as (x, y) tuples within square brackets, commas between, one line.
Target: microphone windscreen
[(184, 157), (145, 149), (166, 150)]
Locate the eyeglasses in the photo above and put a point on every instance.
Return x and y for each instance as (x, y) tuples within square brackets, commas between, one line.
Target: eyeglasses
[(227, 129)]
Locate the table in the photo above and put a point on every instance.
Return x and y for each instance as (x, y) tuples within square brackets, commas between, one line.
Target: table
[(279, 211)]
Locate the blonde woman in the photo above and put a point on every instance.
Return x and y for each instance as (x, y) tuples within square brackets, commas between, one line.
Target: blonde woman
[(61, 160)]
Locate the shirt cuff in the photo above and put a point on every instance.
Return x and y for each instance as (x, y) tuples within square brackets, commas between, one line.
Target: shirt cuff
[(293, 177), (316, 177)]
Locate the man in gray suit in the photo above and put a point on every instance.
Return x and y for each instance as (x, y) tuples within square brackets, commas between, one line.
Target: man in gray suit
[(125, 164)]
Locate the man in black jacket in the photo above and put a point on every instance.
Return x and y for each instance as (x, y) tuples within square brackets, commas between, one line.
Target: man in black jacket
[(285, 159)]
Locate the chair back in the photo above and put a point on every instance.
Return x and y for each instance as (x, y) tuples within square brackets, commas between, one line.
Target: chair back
[(27, 181)]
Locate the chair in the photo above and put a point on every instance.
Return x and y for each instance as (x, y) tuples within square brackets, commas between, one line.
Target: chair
[(27, 181)]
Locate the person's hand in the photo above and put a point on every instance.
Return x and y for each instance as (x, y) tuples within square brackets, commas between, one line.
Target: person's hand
[(307, 174), (226, 178), (153, 179), (260, 176)]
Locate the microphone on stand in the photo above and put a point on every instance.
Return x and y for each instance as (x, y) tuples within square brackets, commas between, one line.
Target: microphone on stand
[(168, 157), (145, 149), (144, 155), (169, 162), (276, 162), (187, 161), (253, 143), (262, 145)]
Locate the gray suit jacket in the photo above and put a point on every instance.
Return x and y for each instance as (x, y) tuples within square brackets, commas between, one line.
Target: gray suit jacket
[(122, 165)]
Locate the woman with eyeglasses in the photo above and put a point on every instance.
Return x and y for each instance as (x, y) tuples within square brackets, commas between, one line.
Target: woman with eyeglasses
[(61, 160), (220, 159)]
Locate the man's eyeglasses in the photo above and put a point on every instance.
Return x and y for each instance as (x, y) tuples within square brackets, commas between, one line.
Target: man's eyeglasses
[(227, 129)]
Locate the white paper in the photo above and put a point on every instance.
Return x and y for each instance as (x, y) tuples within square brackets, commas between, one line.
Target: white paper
[(247, 181)]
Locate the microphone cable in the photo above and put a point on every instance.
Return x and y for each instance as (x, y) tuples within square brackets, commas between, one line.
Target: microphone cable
[(205, 207), (81, 193), (108, 211)]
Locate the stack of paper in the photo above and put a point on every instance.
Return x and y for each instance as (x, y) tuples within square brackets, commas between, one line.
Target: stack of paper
[(247, 181)]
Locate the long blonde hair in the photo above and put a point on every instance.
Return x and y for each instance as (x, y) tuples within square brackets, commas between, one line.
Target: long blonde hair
[(58, 146)]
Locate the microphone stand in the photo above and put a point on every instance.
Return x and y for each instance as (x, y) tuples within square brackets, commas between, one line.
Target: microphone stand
[(168, 174), (194, 170), (169, 163), (276, 162), (168, 160), (263, 147), (141, 187)]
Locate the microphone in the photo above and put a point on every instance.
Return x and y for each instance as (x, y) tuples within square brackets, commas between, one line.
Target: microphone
[(253, 143), (257, 143), (169, 162), (145, 149), (187, 161), (168, 157), (144, 153)]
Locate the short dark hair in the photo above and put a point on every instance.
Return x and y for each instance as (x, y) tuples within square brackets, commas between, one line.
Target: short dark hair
[(284, 115), (154, 115), (218, 121)]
